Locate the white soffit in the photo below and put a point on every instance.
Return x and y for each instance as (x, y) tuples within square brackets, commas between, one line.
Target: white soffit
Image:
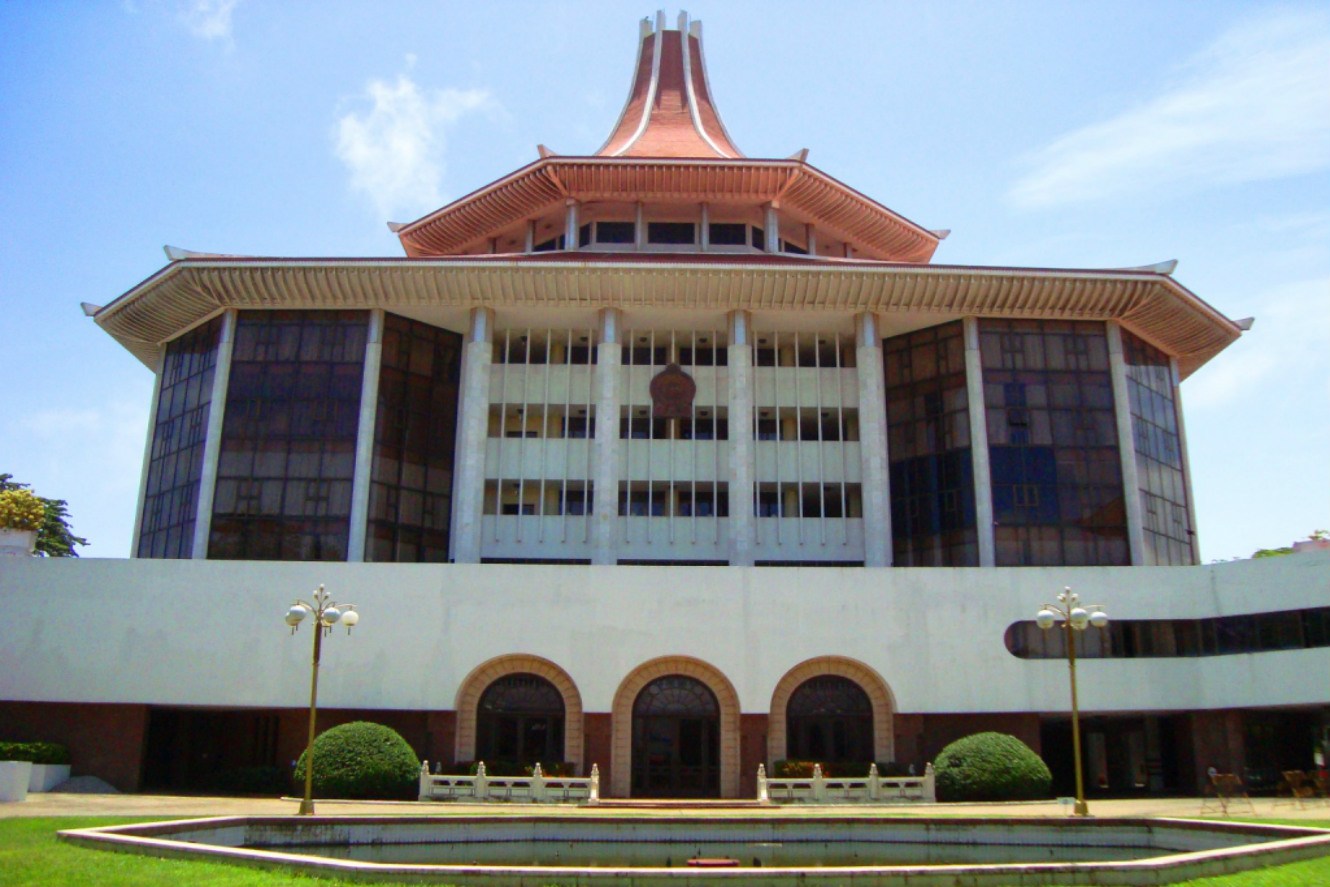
[(1153, 306)]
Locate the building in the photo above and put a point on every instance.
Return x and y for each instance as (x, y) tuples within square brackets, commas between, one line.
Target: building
[(675, 461)]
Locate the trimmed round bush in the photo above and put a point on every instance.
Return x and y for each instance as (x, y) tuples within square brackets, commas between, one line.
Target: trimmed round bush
[(361, 760), (991, 767)]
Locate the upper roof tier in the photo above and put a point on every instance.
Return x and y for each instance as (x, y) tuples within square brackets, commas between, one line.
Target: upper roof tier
[(670, 112), (669, 160)]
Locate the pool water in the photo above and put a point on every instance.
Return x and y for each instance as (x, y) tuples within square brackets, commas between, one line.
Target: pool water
[(768, 848), (754, 854)]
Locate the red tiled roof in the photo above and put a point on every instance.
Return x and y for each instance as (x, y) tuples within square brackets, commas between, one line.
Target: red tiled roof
[(669, 112)]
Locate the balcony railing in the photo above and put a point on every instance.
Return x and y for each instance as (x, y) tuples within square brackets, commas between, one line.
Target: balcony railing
[(870, 789), (536, 788)]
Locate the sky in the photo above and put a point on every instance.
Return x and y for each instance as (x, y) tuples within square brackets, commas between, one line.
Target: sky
[(1075, 135)]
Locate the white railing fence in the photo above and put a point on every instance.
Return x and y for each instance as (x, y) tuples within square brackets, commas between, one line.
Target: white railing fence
[(870, 789), (536, 788)]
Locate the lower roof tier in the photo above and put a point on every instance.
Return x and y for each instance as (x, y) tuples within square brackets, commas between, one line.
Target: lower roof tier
[(1149, 304)]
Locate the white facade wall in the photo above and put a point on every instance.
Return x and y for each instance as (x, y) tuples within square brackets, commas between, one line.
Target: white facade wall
[(210, 633)]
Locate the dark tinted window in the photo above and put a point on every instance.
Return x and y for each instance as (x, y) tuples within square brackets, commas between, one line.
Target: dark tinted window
[(289, 438), (175, 463)]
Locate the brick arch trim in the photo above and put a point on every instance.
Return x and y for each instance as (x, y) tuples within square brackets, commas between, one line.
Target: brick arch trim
[(621, 737), (879, 695), (475, 684)]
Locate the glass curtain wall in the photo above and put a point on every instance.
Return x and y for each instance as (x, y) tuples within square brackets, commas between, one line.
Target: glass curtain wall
[(415, 432), (288, 446), (928, 442), (1169, 539), (176, 460), (1053, 449)]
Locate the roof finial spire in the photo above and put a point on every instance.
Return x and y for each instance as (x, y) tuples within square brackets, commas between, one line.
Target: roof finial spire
[(670, 112)]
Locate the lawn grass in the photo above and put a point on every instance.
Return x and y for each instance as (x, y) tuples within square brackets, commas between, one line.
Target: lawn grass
[(31, 855)]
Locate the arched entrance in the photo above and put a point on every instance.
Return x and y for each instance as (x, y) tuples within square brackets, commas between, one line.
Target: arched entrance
[(676, 740), (520, 719), (829, 719), (487, 674), (622, 720), (821, 702)]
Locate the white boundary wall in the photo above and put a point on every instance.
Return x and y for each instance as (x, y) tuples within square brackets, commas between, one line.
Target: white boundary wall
[(181, 632)]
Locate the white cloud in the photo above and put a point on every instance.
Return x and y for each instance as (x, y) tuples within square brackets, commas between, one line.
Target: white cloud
[(1285, 350), (1253, 106), (395, 149), (209, 19)]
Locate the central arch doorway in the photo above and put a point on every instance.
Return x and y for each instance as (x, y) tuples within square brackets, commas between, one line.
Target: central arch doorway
[(829, 719), (520, 721), (676, 740)]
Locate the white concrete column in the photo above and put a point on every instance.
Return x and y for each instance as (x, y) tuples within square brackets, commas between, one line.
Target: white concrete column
[(1186, 462), (147, 454), (472, 427), (369, 411), (639, 228), (570, 225), (740, 468), (704, 235), (874, 464), (1131, 481), (607, 446), (529, 242), (212, 446), (772, 229), (983, 475)]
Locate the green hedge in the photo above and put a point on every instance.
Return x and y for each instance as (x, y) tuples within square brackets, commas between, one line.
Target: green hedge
[(361, 760), (511, 768), (792, 769), (991, 767), (37, 752)]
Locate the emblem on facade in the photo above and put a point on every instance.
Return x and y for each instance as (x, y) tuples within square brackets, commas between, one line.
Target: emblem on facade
[(672, 392)]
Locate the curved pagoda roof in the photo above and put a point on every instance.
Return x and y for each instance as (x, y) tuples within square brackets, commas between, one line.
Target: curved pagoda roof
[(670, 112), (670, 145), (667, 146)]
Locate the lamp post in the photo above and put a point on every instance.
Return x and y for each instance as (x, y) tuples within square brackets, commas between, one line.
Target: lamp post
[(1075, 618), (326, 614)]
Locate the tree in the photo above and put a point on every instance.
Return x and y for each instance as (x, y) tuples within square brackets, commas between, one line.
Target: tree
[(55, 537), (1313, 536)]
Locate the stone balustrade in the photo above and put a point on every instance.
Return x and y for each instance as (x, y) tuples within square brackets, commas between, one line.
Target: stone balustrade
[(536, 788), (870, 789)]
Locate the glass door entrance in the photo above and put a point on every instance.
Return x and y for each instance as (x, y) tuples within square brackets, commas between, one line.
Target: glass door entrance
[(676, 740)]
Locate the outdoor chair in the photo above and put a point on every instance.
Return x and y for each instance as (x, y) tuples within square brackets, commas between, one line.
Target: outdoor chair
[(1225, 790)]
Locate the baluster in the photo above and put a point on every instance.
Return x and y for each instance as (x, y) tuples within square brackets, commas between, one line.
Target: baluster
[(537, 784), (426, 784), (481, 783)]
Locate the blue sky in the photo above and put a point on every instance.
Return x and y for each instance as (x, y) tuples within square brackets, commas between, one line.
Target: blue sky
[(1044, 134)]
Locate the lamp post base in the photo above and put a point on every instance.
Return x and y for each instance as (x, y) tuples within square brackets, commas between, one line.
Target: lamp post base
[(1082, 808), (306, 808)]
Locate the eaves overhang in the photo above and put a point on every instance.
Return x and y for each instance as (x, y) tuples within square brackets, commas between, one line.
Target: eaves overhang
[(793, 184), (187, 292)]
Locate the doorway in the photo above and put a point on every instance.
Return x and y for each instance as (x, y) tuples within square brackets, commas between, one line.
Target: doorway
[(676, 740)]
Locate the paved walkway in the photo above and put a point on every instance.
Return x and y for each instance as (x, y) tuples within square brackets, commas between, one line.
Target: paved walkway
[(168, 806)]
